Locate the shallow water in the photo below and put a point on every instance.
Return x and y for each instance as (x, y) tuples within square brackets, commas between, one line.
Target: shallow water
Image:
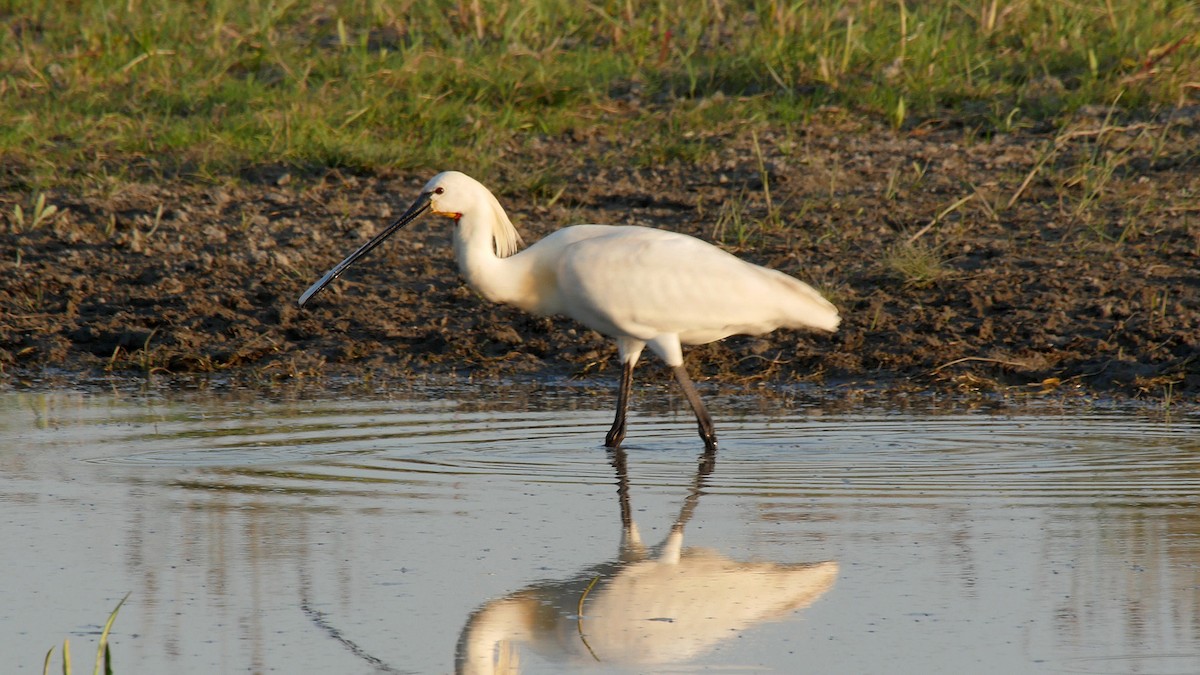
[(408, 535)]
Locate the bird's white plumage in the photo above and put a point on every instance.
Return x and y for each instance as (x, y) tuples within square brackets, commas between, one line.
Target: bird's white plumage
[(645, 283), (636, 284), (641, 286)]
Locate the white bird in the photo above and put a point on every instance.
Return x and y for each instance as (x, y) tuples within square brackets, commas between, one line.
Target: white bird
[(638, 285)]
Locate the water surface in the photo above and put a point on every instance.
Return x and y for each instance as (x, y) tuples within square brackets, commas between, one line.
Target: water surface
[(410, 535)]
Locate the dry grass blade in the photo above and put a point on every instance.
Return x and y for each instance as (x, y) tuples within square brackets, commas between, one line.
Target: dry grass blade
[(1047, 155), (979, 359), (938, 218)]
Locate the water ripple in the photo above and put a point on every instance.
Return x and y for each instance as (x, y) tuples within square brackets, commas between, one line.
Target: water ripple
[(340, 446)]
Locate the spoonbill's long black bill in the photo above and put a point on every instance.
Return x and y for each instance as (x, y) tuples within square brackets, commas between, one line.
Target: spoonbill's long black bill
[(418, 207)]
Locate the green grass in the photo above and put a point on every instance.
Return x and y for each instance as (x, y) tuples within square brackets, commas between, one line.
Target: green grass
[(38, 215), (103, 662), (165, 87)]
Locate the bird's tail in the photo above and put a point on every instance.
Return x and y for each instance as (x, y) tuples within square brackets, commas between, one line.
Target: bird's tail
[(807, 307)]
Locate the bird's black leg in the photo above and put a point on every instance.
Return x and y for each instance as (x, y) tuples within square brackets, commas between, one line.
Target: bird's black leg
[(617, 433), (707, 432)]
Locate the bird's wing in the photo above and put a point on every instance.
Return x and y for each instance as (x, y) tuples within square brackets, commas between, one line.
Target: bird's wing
[(643, 283)]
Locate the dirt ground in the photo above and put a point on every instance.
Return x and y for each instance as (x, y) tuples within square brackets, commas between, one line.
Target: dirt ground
[(1043, 262)]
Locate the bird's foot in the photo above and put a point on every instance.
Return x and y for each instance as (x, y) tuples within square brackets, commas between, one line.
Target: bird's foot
[(614, 437)]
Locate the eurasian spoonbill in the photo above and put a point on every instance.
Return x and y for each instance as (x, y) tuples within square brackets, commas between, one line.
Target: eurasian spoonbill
[(638, 285)]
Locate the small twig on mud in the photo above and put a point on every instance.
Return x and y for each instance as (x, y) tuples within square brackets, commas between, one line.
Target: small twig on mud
[(938, 218), (987, 206), (774, 361), (1062, 140), (1081, 133), (922, 231), (981, 359), (1169, 50), (772, 364), (1051, 150)]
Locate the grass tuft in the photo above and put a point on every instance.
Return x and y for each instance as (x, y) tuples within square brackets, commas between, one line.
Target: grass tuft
[(916, 263), (103, 653), (40, 214)]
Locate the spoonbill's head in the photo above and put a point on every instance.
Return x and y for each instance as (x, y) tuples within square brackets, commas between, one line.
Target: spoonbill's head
[(451, 194)]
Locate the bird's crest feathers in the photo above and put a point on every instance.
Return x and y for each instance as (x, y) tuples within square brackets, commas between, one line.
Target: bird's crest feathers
[(508, 240), (456, 192)]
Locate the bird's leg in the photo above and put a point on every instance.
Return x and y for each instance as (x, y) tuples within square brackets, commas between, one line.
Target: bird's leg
[(617, 433), (707, 432)]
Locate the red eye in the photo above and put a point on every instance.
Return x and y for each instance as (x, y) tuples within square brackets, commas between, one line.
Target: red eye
[(438, 190)]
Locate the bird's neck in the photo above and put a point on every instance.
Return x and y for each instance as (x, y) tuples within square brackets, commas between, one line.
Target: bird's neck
[(484, 271)]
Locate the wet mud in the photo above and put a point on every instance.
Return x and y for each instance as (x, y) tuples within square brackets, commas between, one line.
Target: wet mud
[(1037, 262)]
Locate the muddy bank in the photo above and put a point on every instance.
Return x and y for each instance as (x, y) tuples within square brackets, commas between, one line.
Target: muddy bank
[(1037, 261)]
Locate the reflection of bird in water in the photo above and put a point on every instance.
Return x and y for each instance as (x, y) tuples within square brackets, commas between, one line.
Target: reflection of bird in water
[(639, 285), (648, 607)]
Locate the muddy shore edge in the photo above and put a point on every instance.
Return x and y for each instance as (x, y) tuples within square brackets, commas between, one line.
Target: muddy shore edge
[(961, 265)]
